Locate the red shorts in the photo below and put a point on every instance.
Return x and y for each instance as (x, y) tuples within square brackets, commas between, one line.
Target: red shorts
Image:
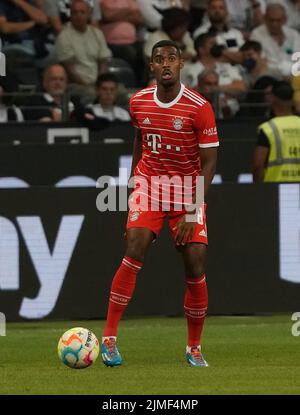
[(153, 221)]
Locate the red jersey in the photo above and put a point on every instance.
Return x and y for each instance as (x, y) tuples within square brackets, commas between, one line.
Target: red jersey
[(172, 132)]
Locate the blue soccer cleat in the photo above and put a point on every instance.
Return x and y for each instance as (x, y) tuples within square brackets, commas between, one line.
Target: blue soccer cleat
[(110, 354), (194, 357)]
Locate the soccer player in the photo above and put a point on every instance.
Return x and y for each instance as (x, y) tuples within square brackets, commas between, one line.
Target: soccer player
[(175, 135)]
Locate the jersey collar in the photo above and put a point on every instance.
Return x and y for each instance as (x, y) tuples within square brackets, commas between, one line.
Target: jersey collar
[(171, 103)]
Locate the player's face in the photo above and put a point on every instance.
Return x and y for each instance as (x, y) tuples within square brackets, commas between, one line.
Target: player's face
[(166, 65)]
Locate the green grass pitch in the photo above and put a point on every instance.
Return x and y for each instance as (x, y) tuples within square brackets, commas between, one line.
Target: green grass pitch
[(247, 355)]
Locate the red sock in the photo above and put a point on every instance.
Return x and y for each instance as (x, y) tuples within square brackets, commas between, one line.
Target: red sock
[(121, 292), (195, 307)]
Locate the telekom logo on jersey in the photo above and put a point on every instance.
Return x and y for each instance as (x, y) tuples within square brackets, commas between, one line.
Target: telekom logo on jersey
[(155, 142)]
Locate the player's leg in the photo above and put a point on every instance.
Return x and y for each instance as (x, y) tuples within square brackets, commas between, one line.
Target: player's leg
[(122, 288), (196, 299)]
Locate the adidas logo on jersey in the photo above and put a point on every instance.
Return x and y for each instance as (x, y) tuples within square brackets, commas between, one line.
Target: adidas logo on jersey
[(146, 121), (202, 233)]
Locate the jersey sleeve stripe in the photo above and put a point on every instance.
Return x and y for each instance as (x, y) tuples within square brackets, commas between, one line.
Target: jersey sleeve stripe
[(194, 100), (191, 93), (207, 145)]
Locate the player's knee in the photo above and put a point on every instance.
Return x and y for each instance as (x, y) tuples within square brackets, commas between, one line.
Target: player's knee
[(196, 269), (136, 253), (136, 249)]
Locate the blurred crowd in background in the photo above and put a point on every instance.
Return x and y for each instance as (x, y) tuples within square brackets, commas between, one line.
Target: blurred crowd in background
[(83, 59)]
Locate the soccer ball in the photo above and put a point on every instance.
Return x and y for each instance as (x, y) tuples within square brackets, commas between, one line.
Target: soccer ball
[(78, 348)]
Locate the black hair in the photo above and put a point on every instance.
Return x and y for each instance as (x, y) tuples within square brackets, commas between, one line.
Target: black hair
[(202, 39), (283, 91), (165, 43), (173, 18), (251, 45), (264, 82), (106, 77), (256, 97)]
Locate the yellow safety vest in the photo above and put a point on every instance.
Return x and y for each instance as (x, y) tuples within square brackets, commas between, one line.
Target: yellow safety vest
[(284, 157)]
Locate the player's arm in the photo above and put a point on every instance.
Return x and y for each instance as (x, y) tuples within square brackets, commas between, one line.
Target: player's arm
[(208, 158), (208, 142), (185, 229), (137, 149)]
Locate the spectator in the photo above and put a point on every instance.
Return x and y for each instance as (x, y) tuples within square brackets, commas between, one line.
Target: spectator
[(258, 100), (209, 87), (82, 50), (153, 10), (245, 14), (23, 25), (48, 106), (217, 23), (8, 112), (197, 11), (230, 79), (255, 65), (120, 21), (59, 13), (104, 107), (292, 8), (276, 157), (278, 41), (175, 25)]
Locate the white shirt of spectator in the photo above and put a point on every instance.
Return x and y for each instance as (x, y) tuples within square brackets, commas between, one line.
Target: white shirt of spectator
[(50, 99), (4, 113), (277, 56), (115, 114), (240, 12), (227, 73), (160, 35), (232, 103), (224, 37), (151, 10), (85, 49)]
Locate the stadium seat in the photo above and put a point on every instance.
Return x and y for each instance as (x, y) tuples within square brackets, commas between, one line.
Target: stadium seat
[(123, 71), (21, 69)]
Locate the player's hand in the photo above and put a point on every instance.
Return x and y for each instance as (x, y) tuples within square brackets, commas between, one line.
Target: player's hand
[(184, 231)]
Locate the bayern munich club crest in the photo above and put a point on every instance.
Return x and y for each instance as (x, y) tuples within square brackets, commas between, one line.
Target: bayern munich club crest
[(178, 123), (134, 216)]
